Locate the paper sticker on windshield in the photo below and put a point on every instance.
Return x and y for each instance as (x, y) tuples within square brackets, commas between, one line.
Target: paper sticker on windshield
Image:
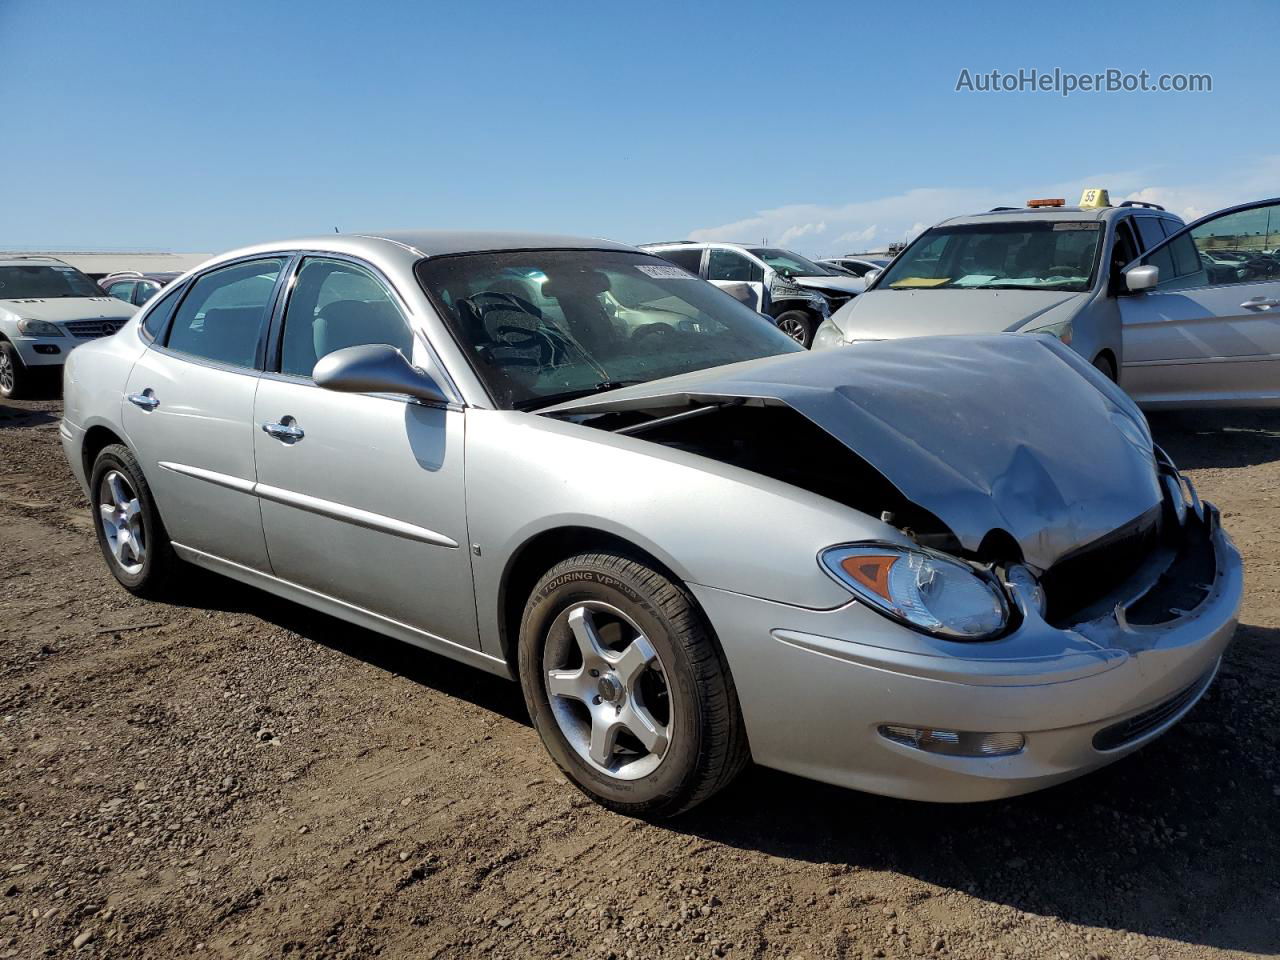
[(1068, 225), (665, 272)]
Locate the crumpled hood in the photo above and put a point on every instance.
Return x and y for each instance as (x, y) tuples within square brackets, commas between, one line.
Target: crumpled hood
[(840, 284), (888, 314), (62, 309), (987, 432)]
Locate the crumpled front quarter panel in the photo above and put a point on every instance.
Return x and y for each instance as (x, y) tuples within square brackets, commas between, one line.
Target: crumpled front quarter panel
[(708, 522)]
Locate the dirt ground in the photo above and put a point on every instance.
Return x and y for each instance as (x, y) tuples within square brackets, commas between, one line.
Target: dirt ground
[(236, 776)]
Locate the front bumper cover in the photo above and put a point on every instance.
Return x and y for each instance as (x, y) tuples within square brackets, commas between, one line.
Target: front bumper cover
[(815, 686)]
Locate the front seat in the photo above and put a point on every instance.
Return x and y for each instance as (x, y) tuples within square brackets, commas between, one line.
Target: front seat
[(353, 323)]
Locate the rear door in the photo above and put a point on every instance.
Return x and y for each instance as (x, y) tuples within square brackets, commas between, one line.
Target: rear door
[(1209, 333), (188, 410)]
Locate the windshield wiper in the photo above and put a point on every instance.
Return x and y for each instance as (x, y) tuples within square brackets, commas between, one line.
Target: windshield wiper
[(533, 403)]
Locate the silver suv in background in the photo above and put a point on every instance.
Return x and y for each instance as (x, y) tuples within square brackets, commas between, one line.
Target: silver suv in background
[(1051, 269), (1179, 315), (47, 308), (796, 292)]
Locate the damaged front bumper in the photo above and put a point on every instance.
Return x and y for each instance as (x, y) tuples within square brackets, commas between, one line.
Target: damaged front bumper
[(818, 687)]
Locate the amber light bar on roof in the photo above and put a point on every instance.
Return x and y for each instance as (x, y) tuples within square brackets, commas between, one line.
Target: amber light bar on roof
[(1055, 202)]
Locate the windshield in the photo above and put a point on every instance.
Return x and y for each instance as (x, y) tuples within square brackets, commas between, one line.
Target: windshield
[(792, 264), (542, 326), (1043, 255), (45, 282)]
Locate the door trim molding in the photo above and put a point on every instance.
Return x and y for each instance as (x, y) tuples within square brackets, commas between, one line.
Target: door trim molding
[(324, 508), (315, 600)]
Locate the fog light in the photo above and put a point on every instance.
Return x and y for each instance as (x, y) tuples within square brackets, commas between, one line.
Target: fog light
[(954, 743), (47, 348)]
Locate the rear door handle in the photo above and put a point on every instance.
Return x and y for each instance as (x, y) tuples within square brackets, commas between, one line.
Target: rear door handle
[(286, 430), (146, 399), (1259, 303)]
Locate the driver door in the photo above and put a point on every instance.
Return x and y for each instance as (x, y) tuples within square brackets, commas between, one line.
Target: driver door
[(1209, 332), (738, 276)]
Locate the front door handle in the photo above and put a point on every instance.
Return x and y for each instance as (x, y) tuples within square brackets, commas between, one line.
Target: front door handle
[(1259, 303), (286, 431), (146, 399)]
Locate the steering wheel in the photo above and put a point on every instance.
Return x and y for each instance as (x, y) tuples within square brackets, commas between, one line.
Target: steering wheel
[(650, 330)]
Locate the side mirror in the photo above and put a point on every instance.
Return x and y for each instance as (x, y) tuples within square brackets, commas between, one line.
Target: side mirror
[(740, 291), (869, 276), (1142, 278), (375, 368)]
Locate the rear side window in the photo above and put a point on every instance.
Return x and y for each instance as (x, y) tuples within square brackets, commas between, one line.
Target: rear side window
[(691, 260), (154, 322), (221, 318)]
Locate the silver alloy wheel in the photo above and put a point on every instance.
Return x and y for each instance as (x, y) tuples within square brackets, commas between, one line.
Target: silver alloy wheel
[(608, 690), (793, 328), (121, 516), (7, 379)]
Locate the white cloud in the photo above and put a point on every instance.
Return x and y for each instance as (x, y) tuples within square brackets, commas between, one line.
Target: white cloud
[(828, 230)]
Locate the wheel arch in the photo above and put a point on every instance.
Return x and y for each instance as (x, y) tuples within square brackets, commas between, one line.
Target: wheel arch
[(779, 307), (1106, 353), (95, 439), (544, 550)]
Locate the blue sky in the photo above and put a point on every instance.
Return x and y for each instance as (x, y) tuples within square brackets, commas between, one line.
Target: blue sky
[(827, 126)]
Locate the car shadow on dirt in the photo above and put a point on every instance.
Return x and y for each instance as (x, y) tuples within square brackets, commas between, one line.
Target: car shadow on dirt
[(13, 415), (1178, 840), (205, 591), (1218, 438)]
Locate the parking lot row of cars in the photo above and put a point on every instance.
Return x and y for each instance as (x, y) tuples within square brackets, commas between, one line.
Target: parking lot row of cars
[(945, 568), (1177, 315)]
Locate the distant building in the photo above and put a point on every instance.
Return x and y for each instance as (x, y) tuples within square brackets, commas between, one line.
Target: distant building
[(98, 265)]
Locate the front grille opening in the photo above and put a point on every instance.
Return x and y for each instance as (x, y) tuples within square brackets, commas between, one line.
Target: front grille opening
[(1086, 576), (1126, 731)]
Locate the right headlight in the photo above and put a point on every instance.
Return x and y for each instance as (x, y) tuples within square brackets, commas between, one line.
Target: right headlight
[(38, 328), (925, 590)]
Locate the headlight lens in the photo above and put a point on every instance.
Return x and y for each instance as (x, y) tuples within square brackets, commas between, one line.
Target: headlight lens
[(925, 590), (827, 335), (1060, 330), (38, 328)]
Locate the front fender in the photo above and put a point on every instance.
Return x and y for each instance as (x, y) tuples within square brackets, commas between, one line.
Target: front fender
[(709, 523)]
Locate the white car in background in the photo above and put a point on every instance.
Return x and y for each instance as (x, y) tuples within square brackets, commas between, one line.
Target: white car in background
[(47, 308)]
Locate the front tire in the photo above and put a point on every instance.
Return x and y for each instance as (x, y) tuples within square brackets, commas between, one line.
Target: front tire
[(799, 325), (130, 532), (17, 381), (628, 688)]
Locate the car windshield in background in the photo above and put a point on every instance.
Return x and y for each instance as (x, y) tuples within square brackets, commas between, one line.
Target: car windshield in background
[(542, 326), (45, 282), (792, 264), (1042, 255)]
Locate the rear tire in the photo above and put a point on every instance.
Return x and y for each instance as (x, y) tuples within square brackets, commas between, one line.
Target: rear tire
[(799, 325), (132, 538), (657, 685)]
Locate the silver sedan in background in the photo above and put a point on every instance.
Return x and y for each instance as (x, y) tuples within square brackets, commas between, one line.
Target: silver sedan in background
[(947, 569)]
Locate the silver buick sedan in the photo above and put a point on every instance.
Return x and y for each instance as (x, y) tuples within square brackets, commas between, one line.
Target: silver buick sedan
[(948, 569)]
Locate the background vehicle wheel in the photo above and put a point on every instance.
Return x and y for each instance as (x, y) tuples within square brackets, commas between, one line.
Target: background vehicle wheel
[(1104, 364), (798, 325), (627, 687), (16, 381), (130, 532)]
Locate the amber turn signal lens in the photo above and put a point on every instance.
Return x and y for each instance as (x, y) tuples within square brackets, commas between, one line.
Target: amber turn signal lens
[(870, 570)]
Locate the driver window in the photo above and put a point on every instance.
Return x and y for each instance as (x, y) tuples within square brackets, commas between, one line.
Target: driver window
[(729, 265), (337, 304), (1240, 247)]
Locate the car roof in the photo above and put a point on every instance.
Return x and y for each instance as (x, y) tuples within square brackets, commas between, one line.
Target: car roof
[(438, 243), (1056, 214), (21, 261), (696, 244)]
